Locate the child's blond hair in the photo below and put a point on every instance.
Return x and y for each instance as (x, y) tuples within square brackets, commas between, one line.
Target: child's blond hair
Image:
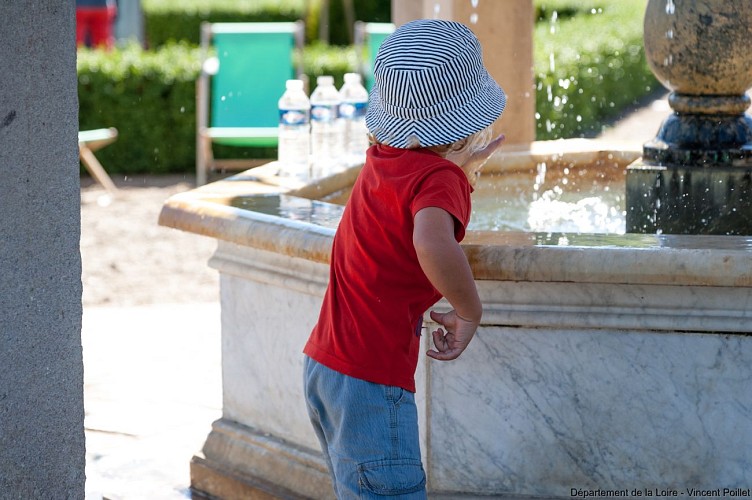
[(471, 144)]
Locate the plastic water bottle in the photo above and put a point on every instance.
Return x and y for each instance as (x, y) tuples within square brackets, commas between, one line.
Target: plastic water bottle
[(326, 132), (353, 112), (294, 131)]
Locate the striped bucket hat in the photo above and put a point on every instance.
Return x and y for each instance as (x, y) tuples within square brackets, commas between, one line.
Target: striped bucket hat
[(431, 87)]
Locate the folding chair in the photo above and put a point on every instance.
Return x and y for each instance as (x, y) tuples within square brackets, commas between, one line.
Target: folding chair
[(88, 142), (368, 39), (238, 89)]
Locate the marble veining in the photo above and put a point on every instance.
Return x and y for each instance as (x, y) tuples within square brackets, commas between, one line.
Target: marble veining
[(592, 409)]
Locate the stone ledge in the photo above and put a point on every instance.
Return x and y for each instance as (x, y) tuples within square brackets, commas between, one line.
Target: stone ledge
[(240, 462)]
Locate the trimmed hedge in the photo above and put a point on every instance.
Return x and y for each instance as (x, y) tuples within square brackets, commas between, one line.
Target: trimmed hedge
[(545, 10), (177, 20), (169, 21), (149, 96), (589, 66), (377, 11)]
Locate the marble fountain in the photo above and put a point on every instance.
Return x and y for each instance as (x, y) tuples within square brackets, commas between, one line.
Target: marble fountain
[(606, 362)]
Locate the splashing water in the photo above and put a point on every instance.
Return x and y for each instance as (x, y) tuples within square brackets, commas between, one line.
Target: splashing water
[(587, 215), (474, 15), (554, 18), (560, 200)]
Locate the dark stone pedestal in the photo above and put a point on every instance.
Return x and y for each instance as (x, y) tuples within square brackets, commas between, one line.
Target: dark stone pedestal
[(695, 177), (689, 199)]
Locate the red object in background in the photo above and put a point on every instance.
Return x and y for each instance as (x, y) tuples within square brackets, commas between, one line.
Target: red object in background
[(95, 26)]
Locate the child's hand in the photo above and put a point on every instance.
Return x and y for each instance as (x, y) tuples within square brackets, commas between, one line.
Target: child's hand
[(484, 154), (473, 163), (459, 333)]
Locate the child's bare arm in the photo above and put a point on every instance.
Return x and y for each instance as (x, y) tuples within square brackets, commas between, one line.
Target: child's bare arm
[(446, 266)]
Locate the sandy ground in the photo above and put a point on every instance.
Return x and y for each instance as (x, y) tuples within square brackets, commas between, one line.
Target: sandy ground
[(128, 259), (151, 346)]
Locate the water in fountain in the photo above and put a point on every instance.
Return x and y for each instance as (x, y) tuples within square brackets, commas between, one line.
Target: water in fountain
[(577, 199)]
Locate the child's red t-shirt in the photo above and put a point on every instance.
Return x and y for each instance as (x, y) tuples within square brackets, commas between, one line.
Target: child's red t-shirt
[(371, 318)]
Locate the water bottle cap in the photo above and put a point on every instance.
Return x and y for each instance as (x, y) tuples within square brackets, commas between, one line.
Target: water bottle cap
[(325, 80), (294, 85), (352, 77)]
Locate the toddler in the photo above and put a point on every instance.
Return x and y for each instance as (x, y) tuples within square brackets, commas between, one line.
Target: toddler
[(396, 252)]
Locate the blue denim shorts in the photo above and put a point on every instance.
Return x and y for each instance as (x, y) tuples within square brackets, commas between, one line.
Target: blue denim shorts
[(368, 433)]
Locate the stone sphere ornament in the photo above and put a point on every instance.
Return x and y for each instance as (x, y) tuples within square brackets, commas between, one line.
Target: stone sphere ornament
[(700, 47)]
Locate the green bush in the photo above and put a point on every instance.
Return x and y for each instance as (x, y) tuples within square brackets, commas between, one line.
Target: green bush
[(149, 97), (589, 68), (377, 11), (321, 59), (180, 20), (177, 20), (546, 10)]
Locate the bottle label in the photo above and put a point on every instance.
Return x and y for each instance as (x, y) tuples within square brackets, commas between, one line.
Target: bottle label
[(324, 114), (353, 110), (293, 117)]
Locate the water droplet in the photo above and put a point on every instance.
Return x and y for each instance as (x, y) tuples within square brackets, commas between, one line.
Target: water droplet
[(670, 7), (436, 10), (474, 18), (474, 3), (670, 34)]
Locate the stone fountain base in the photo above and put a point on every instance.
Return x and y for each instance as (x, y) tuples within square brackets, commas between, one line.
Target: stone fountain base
[(695, 177), (689, 199), (599, 380), (604, 362)]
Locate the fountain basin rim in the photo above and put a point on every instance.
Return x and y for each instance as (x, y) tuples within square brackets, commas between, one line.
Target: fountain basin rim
[(503, 256)]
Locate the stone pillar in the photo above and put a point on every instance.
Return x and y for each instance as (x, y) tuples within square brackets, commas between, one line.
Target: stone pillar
[(42, 447), (505, 30)]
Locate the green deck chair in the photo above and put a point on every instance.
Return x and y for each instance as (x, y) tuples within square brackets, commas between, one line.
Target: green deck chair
[(239, 87), (368, 39)]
